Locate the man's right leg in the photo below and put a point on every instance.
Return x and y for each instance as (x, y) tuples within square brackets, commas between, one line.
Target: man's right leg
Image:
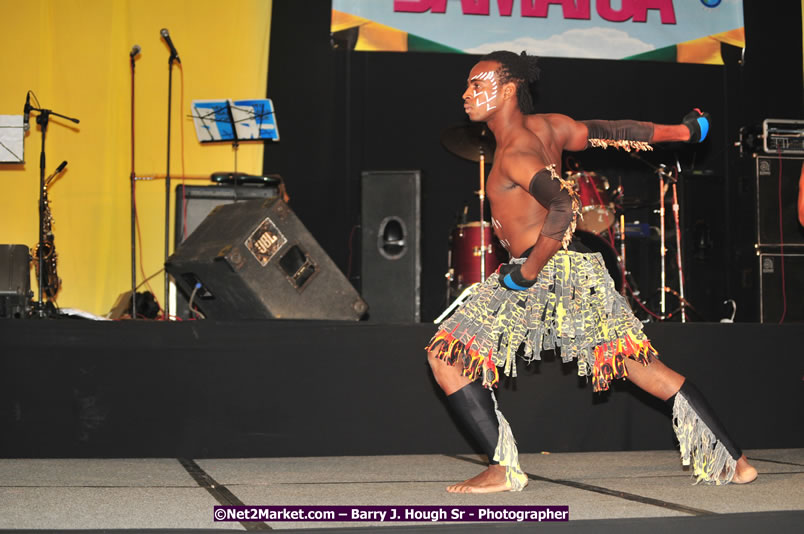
[(476, 410)]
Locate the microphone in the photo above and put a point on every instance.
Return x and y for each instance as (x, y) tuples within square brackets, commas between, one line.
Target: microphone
[(135, 50), (26, 114), (166, 36), (678, 163)]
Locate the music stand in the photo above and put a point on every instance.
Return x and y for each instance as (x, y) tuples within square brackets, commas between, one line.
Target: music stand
[(233, 121), (12, 148)]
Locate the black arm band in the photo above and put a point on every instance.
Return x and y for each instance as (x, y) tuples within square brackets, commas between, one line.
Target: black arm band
[(553, 195), (625, 134)]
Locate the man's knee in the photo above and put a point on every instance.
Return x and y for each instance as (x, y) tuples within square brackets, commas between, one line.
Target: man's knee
[(436, 363)]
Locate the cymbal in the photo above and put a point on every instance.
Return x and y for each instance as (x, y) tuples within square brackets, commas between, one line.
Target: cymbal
[(468, 141)]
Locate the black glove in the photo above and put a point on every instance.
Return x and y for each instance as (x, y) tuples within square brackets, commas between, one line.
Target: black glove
[(511, 277), (698, 124)]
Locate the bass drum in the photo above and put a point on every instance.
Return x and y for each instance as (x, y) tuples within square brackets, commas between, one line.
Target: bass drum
[(595, 243), (596, 206)]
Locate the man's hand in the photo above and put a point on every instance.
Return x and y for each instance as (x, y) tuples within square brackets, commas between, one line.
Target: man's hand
[(511, 277), (697, 122)]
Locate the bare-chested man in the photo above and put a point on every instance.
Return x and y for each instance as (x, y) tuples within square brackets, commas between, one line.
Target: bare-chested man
[(554, 293)]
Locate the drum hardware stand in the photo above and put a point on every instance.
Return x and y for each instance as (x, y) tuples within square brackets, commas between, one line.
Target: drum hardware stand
[(682, 301), (40, 309), (662, 174), (482, 194), (622, 252)]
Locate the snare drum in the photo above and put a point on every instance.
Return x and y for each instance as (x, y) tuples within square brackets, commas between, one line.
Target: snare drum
[(596, 206), (465, 254)]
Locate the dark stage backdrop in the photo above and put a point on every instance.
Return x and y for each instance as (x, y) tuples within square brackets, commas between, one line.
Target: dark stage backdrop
[(209, 389), (345, 112)]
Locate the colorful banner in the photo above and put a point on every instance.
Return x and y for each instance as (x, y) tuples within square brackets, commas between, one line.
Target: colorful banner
[(685, 31)]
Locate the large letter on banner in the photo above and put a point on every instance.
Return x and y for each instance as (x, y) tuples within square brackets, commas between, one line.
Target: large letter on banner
[(638, 9), (571, 8), (420, 6), (665, 8)]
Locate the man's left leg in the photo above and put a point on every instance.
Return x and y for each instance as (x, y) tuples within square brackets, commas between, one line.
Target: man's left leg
[(698, 429), (476, 410)]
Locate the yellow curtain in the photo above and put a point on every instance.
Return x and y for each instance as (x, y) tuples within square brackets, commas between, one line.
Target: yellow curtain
[(74, 55)]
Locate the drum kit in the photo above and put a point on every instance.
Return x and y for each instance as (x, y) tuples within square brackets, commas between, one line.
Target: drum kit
[(474, 253)]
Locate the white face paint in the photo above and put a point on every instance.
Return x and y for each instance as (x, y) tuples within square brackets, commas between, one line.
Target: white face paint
[(484, 97)]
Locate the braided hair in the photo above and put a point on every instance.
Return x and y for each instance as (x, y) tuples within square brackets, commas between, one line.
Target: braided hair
[(521, 69)]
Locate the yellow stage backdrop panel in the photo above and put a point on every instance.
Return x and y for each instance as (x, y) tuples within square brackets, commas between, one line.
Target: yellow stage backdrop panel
[(74, 55)]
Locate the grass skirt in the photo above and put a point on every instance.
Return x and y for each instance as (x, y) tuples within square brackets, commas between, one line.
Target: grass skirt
[(573, 308)]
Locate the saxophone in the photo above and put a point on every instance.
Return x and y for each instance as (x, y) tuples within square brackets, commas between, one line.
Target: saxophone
[(47, 248)]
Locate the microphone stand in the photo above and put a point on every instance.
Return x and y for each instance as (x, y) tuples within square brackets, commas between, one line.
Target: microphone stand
[(172, 58), (42, 120), (133, 178)]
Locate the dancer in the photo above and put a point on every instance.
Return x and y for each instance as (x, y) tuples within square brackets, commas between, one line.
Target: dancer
[(555, 294)]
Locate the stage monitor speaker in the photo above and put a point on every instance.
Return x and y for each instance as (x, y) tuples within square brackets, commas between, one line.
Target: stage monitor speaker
[(390, 245), (773, 173), (777, 298), (255, 260), (15, 281)]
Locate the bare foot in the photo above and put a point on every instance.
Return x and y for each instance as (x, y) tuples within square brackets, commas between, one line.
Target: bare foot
[(744, 473), (492, 480)]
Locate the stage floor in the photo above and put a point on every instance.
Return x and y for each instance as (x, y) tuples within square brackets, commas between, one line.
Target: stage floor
[(607, 491)]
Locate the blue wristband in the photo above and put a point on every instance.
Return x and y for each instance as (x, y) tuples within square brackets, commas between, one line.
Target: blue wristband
[(703, 124), (510, 284)]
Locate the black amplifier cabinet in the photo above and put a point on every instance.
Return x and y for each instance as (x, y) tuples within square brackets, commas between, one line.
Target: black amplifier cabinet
[(200, 200), (254, 260), (195, 202), (15, 281), (777, 201), (781, 287)]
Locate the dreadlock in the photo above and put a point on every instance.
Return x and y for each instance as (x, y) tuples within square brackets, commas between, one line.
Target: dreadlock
[(521, 69)]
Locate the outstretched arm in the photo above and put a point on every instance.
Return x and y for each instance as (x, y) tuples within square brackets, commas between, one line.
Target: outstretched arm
[(628, 134)]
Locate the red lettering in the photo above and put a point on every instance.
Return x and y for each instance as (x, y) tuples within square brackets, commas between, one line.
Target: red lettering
[(665, 8), (572, 9), (506, 7), (420, 6), (605, 11), (475, 7)]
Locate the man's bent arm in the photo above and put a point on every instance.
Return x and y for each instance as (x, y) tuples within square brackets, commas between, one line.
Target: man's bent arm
[(544, 249)]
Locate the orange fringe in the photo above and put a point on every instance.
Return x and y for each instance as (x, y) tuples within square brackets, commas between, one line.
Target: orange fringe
[(450, 350), (610, 360)]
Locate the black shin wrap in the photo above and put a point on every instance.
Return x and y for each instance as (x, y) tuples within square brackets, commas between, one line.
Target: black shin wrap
[(623, 134), (474, 407), (698, 403)]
